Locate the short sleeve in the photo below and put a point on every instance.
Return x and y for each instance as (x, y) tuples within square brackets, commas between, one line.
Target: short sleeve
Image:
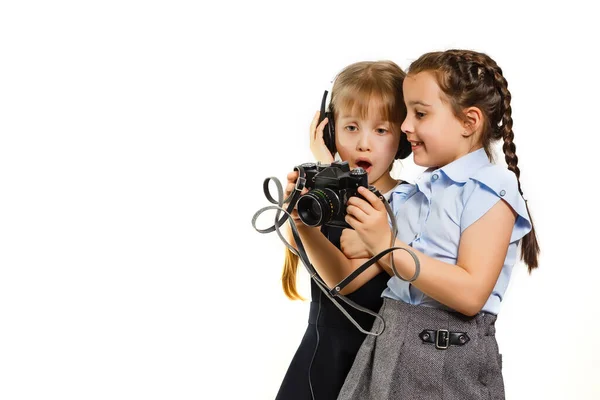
[(490, 185), (400, 194)]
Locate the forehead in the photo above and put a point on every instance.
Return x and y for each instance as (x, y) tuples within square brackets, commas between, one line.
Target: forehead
[(422, 87), (374, 109)]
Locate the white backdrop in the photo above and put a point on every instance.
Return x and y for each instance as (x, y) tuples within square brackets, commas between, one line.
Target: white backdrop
[(135, 137)]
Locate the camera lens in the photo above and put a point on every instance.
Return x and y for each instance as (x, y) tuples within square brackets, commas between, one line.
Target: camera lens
[(316, 207)]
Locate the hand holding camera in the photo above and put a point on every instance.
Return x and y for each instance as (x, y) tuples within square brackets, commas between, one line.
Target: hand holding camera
[(292, 177), (369, 215), (330, 186)]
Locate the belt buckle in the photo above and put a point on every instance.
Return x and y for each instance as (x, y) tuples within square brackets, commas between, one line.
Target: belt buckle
[(442, 339)]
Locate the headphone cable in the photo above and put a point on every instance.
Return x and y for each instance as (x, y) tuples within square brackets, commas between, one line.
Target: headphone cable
[(312, 392)]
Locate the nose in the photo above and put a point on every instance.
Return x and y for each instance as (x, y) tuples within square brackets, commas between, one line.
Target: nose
[(407, 126), (363, 142)]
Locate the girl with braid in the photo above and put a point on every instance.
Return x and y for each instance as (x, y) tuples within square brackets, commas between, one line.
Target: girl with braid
[(464, 220)]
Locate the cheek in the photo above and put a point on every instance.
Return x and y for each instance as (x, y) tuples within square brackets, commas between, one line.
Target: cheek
[(343, 142), (388, 145), (431, 132)]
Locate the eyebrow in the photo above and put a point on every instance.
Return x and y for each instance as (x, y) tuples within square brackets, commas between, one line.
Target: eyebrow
[(354, 117), (418, 103)]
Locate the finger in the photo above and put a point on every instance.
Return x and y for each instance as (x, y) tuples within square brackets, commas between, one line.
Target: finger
[(343, 243), (292, 176), (345, 233), (320, 128), (372, 198), (313, 126), (352, 237), (295, 216), (357, 202), (289, 188), (353, 222), (357, 213)]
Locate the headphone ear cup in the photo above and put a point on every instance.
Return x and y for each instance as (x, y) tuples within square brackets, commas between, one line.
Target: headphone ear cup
[(328, 130), (404, 148), (329, 134)]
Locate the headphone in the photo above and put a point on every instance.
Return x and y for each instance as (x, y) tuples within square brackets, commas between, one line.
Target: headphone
[(404, 148)]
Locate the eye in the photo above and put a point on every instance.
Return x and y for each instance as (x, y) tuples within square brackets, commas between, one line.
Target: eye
[(419, 115), (381, 131), (351, 128)]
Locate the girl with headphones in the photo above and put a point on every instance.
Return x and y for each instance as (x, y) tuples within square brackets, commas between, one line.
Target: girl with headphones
[(362, 125)]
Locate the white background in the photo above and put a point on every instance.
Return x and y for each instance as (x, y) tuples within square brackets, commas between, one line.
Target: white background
[(135, 137)]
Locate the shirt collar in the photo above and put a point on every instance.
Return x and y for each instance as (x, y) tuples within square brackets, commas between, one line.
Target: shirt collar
[(462, 169)]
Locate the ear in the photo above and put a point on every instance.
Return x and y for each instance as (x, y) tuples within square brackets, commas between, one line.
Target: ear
[(473, 121)]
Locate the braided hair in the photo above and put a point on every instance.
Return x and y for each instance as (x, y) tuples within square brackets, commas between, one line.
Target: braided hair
[(472, 79)]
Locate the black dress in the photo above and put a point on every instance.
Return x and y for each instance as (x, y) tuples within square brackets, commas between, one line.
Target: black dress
[(338, 339)]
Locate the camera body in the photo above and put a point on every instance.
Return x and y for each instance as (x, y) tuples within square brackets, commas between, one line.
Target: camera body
[(330, 186)]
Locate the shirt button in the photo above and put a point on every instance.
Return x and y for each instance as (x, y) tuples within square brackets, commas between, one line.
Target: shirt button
[(435, 177), (502, 192)]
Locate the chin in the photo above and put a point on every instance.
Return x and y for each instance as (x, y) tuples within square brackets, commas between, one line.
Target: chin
[(421, 161), (374, 178)]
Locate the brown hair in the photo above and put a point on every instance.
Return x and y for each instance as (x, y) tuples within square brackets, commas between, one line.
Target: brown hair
[(353, 89), (358, 83), (472, 79)]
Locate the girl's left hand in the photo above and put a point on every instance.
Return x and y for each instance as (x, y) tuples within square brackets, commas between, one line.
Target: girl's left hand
[(370, 220)]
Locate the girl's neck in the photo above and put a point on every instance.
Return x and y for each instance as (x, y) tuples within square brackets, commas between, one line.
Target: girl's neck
[(385, 183), (457, 157)]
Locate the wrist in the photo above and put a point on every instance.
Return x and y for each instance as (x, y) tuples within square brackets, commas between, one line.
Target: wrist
[(379, 247), (384, 261)]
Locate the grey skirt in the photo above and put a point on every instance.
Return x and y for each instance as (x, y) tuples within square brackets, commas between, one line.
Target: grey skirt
[(401, 363)]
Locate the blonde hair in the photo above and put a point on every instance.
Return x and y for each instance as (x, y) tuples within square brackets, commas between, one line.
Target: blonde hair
[(353, 89)]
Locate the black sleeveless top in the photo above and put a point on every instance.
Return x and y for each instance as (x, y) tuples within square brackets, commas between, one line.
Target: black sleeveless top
[(338, 339)]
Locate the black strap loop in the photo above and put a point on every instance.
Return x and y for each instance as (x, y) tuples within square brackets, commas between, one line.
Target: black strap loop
[(335, 291), (292, 200), (301, 252)]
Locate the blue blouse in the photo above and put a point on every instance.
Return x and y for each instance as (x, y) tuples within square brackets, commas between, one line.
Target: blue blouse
[(432, 214)]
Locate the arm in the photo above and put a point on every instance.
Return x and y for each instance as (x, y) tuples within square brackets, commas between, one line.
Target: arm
[(464, 287), (331, 264)]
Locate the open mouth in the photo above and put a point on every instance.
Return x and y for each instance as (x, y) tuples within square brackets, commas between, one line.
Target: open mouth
[(364, 165)]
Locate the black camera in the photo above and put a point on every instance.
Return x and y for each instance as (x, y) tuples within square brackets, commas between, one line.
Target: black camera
[(330, 186)]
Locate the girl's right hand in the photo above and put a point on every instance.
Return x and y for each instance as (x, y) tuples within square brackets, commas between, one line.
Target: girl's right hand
[(317, 144)]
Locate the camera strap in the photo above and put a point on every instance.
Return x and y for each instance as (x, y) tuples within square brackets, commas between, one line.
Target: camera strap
[(301, 252), (344, 282), (291, 200)]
